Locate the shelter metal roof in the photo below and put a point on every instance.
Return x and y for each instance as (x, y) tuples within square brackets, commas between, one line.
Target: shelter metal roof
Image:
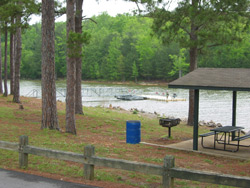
[(234, 79)]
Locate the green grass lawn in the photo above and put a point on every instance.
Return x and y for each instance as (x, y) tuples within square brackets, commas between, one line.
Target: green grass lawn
[(106, 130)]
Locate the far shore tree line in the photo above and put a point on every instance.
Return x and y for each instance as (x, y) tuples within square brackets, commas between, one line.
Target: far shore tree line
[(102, 60), (156, 44)]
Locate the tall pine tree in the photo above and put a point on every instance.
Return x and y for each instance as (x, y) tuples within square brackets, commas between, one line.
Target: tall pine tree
[(71, 70), (49, 107), (78, 29)]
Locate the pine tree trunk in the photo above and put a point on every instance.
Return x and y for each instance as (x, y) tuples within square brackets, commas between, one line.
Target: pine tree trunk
[(193, 65), (71, 73), (78, 29), (1, 81), (5, 63), (16, 97), (180, 73), (12, 61), (49, 107), (193, 53)]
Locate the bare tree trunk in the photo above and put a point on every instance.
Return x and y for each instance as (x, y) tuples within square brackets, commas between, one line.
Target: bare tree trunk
[(16, 97), (180, 73), (71, 75), (193, 53), (5, 63), (193, 65), (78, 29), (49, 107), (1, 81), (12, 60)]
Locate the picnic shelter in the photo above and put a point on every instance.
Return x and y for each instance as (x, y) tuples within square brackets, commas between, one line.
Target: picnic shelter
[(230, 79)]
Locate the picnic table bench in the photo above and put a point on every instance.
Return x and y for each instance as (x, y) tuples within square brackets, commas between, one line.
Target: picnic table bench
[(226, 137), (205, 135), (242, 137)]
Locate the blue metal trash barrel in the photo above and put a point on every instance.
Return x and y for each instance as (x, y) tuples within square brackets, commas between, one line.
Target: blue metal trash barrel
[(133, 132)]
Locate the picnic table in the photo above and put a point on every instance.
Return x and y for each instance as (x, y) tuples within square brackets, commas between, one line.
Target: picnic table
[(225, 135)]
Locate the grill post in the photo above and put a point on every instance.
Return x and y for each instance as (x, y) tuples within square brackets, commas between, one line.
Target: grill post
[(169, 132)]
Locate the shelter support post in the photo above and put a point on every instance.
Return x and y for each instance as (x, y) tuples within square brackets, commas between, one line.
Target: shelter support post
[(196, 119), (234, 111)]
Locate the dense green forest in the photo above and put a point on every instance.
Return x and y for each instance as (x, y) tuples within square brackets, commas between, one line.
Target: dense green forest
[(123, 48)]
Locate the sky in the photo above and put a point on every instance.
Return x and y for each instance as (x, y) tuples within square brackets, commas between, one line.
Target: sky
[(91, 8)]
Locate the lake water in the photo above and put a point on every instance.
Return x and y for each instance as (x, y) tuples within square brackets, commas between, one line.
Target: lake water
[(214, 105)]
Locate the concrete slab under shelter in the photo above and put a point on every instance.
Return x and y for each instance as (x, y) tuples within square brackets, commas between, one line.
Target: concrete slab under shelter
[(243, 153)]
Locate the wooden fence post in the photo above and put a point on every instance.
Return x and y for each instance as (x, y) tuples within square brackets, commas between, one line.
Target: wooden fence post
[(23, 157), (168, 181), (89, 151)]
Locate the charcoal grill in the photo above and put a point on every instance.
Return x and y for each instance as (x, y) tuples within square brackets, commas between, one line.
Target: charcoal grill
[(167, 122)]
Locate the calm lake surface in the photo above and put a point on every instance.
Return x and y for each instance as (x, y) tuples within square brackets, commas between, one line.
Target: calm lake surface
[(214, 105)]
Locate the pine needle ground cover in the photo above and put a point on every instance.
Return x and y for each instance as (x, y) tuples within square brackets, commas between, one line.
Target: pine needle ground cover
[(105, 129)]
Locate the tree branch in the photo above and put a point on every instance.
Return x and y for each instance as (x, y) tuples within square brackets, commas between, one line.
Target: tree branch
[(83, 18)]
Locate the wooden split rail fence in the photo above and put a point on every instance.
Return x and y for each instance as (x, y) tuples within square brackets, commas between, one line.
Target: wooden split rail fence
[(168, 171)]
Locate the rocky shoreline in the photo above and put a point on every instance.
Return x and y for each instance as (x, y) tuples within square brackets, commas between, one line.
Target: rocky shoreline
[(210, 124)]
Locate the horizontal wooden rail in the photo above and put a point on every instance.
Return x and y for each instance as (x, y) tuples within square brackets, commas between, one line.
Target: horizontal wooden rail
[(210, 177), (9, 146), (127, 165), (94, 160), (168, 171), (56, 154)]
